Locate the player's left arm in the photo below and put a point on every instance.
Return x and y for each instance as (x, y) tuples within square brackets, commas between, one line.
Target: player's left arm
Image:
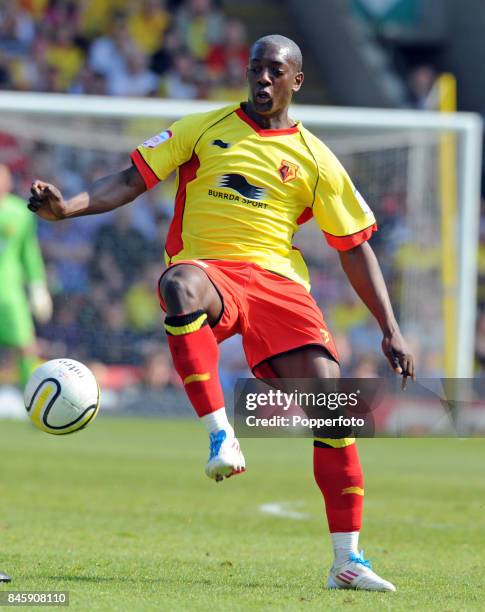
[(364, 273)]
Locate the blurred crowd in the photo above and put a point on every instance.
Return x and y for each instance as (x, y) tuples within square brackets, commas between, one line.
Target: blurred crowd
[(171, 48)]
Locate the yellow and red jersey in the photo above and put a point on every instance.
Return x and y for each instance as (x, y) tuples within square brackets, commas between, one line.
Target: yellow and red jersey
[(242, 191)]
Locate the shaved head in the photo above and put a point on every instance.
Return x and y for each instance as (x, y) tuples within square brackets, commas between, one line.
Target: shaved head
[(289, 47), (274, 75)]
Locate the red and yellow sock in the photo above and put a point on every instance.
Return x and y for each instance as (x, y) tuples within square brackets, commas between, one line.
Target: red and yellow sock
[(195, 356), (338, 473)]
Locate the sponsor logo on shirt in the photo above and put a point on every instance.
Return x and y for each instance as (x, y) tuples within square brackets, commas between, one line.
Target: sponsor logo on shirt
[(154, 141), (240, 184), (288, 171)]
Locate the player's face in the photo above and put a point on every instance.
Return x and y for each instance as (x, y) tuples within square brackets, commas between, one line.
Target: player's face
[(272, 79)]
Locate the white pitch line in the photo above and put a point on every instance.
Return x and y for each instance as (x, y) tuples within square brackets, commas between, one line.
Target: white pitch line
[(284, 510)]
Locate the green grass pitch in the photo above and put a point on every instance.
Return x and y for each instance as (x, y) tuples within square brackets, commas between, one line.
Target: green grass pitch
[(123, 517)]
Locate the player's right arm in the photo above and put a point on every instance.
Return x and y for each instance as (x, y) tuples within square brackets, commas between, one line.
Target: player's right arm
[(153, 161), (105, 194)]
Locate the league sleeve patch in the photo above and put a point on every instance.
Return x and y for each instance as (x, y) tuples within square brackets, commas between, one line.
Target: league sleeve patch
[(154, 141)]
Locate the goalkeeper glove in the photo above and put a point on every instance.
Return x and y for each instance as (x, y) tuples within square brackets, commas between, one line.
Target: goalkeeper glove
[(40, 302)]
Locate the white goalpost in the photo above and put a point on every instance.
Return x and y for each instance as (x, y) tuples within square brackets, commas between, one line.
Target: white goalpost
[(428, 250)]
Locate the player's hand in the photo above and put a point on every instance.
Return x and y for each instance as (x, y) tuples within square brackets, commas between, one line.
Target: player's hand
[(47, 201), (399, 356)]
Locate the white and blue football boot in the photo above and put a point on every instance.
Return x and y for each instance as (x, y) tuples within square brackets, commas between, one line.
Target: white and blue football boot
[(356, 573), (225, 457)]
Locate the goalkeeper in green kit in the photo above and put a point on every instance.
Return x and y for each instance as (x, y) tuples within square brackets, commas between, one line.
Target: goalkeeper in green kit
[(21, 268)]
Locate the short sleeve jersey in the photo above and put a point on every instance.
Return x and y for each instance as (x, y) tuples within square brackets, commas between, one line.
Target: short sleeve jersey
[(242, 191)]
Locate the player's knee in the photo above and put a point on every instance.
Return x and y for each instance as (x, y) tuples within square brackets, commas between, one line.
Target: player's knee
[(180, 288)]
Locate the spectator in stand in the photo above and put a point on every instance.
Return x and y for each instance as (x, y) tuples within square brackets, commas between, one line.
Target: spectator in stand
[(231, 55), (113, 342), (5, 77), (162, 60), (62, 336), (70, 250), (232, 87), (157, 371), (183, 80), (15, 156), (147, 25), (122, 245), (421, 82), (50, 79), (156, 386), (64, 56), (28, 71), (36, 8), (17, 29), (200, 27), (348, 312), (62, 14), (154, 209), (135, 79), (142, 306), (96, 16), (107, 54), (89, 82), (90, 314)]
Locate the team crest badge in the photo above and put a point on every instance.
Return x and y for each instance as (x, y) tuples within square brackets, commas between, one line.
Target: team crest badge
[(288, 171)]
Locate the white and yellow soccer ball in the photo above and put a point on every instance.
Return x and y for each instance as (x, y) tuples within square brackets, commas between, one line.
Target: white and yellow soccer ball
[(62, 396)]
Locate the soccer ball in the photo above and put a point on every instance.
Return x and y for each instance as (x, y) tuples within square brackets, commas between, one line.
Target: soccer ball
[(62, 396)]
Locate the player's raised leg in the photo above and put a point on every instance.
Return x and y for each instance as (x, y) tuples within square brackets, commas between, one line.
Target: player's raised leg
[(338, 474), (193, 305)]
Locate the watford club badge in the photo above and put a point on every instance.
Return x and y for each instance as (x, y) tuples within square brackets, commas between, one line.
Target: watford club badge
[(325, 336), (288, 171)]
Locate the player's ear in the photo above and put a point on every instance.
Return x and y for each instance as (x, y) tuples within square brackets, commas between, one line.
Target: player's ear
[(298, 81)]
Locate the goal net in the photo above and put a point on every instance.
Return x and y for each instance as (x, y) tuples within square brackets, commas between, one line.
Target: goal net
[(419, 172)]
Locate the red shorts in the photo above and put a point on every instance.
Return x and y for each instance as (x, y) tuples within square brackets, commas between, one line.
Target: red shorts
[(273, 314)]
